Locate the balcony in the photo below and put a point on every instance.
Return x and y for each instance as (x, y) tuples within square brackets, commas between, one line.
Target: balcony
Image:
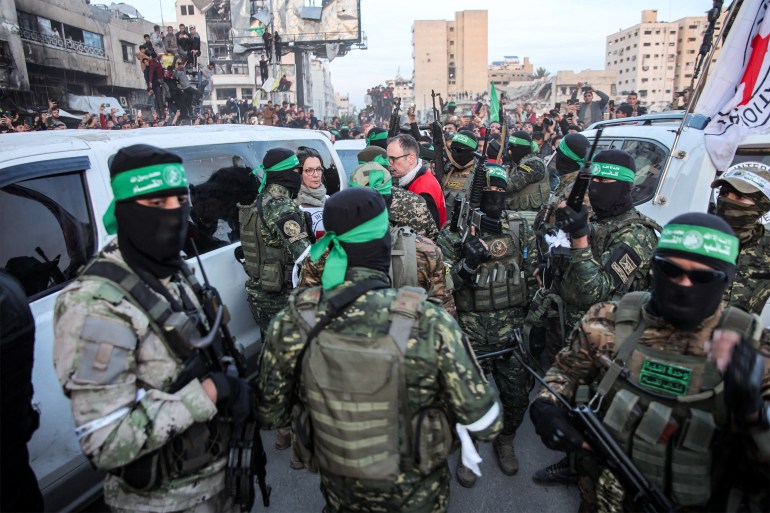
[(62, 44)]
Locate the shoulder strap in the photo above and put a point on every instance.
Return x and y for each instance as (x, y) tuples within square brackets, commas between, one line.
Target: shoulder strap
[(737, 320), (410, 256), (405, 310)]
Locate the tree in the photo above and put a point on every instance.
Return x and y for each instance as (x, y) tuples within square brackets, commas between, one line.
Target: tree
[(540, 73)]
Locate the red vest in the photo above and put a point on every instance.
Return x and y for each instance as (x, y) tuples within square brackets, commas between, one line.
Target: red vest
[(426, 183)]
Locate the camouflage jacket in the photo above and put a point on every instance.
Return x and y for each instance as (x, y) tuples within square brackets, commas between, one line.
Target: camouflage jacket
[(431, 273), (751, 288), (440, 366), (618, 261), (277, 231), (410, 209), (531, 170), (107, 358)]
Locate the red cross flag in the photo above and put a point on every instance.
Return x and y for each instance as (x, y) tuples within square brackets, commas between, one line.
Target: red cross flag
[(737, 93)]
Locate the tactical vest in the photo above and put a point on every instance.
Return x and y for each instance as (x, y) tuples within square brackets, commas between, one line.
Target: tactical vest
[(534, 195), (456, 184), (403, 257), (668, 410), (355, 398), (270, 267), (500, 283), (202, 443)]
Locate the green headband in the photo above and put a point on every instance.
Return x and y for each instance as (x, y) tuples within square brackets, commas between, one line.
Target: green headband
[(284, 165), (518, 141), (569, 153), (377, 182), (464, 139), (700, 240), (613, 171), (379, 136), (141, 182), (378, 159), (337, 262), (334, 132), (495, 171)]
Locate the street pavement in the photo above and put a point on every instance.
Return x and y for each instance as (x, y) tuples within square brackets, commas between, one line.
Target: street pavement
[(297, 491)]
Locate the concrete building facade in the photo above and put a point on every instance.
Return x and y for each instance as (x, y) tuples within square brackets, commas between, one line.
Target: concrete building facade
[(655, 58), (61, 47), (323, 92), (510, 71), (450, 57)]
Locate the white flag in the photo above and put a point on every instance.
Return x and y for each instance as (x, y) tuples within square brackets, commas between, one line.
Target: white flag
[(737, 94)]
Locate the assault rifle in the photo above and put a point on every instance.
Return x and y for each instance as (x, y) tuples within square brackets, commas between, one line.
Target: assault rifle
[(638, 488), (247, 459), (437, 133), (395, 119)]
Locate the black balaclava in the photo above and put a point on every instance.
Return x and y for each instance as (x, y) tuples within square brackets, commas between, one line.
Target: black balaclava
[(150, 239), (289, 178), (687, 307), (572, 160), (493, 202), (346, 210), (610, 199), (462, 153), (493, 149), (518, 150)]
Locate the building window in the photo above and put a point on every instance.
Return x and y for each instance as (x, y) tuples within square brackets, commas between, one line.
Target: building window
[(128, 51), (223, 93), (190, 10), (646, 44), (183, 10)]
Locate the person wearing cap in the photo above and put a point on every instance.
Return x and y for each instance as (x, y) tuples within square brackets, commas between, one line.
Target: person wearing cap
[(406, 208), (416, 260), (195, 47), (456, 182), (274, 235), (492, 275), (528, 181), (686, 386), (405, 165), (744, 197), (616, 259), (121, 331), (356, 310)]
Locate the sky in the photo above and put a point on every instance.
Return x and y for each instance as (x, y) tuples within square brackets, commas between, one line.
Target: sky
[(554, 34)]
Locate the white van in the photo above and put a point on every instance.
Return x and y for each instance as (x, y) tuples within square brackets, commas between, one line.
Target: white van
[(54, 189), (687, 184)]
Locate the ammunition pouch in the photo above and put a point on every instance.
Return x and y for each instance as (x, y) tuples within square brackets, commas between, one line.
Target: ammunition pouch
[(272, 275)]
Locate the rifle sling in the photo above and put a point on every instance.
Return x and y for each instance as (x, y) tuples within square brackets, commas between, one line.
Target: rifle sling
[(627, 348)]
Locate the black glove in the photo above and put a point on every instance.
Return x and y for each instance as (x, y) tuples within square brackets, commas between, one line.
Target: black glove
[(475, 253), (233, 396), (537, 340), (743, 382), (553, 426), (573, 222)]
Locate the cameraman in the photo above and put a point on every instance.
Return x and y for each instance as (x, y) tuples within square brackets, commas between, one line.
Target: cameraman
[(680, 100), (570, 117)]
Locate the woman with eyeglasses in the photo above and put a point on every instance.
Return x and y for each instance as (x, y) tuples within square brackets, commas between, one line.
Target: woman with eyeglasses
[(312, 193)]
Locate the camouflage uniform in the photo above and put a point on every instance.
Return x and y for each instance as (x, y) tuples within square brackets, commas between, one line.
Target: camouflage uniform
[(528, 185), (751, 288), (439, 368), (580, 363), (93, 322), (410, 209), (431, 273), (456, 183), (488, 330), (283, 232), (617, 261)]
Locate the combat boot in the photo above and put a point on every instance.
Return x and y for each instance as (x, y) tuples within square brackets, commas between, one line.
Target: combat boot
[(560, 472), (465, 476), (283, 438), (506, 457)]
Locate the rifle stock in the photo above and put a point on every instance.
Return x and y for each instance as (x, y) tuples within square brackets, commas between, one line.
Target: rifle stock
[(580, 187), (394, 119), (479, 174)]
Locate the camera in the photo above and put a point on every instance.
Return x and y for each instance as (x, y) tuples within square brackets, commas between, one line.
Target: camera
[(548, 122), (572, 102)]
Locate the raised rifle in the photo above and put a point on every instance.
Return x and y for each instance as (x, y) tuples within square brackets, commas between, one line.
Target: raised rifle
[(641, 492), (395, 119), (437, 133), (247, 459)]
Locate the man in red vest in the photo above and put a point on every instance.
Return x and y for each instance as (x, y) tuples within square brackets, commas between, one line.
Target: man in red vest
[(414, 176)]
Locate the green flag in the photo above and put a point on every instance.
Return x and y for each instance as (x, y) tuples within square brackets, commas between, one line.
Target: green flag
[(494, 105)]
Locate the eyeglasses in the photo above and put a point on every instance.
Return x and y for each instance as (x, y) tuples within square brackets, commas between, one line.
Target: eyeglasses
[(393, 159), (697, 276), (313, 170)]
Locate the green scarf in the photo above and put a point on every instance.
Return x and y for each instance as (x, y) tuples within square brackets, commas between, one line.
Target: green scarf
[(284, 165)]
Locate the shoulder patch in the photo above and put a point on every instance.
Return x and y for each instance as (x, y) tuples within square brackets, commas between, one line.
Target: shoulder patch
[(525, 168), (622, 264), (292, 227)]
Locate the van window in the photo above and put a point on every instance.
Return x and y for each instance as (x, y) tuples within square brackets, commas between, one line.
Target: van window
[(261, 147), (649, 158), (46, 231)]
